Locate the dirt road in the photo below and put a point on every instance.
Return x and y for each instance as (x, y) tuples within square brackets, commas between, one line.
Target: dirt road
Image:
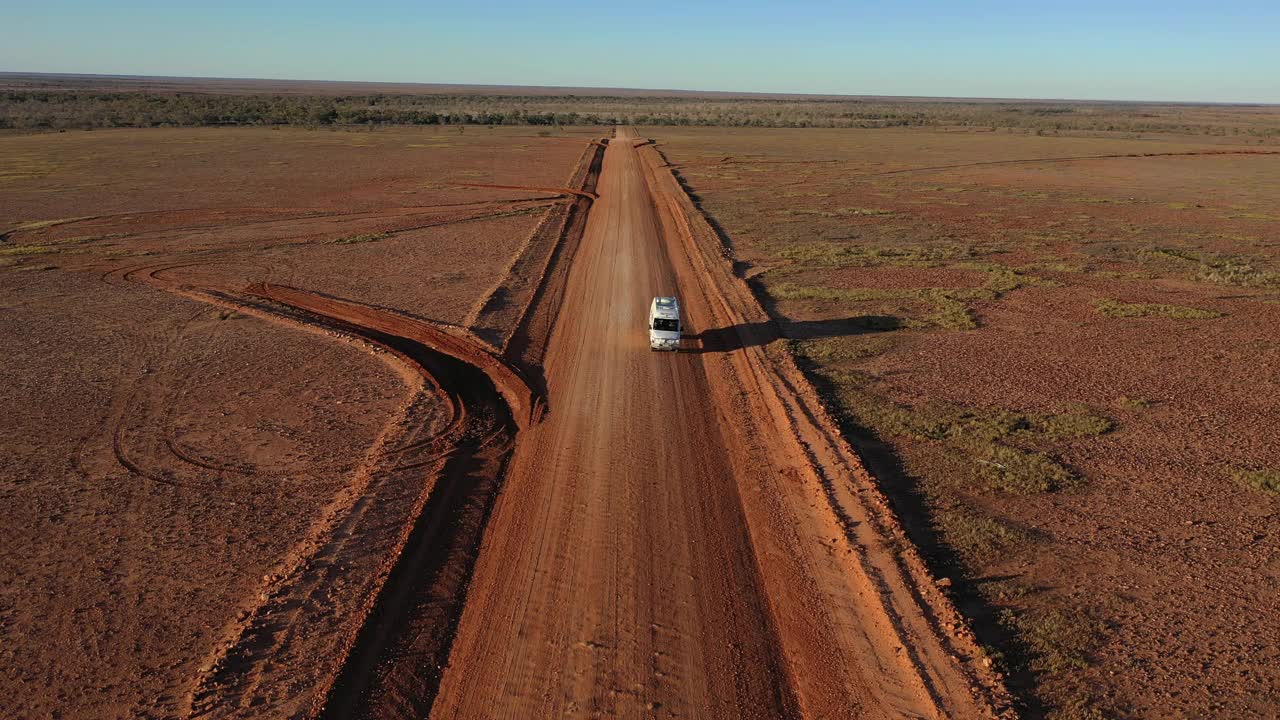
[(618, 578), (620, 574)]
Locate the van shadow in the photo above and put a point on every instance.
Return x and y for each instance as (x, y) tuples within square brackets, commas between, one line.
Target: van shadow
[(737, 337)]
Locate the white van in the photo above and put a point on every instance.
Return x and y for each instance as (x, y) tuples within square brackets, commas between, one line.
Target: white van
[(664, 324)]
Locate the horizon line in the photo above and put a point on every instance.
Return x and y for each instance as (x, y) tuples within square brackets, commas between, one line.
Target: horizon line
[(674, 92)]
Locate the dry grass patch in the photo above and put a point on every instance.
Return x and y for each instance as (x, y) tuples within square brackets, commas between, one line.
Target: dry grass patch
[(1267, 481), (1236, 269), (1117, 309), (977, 538), (1002, 449), (1134, 403), (29, 250), (363, 238), (1061, 640), (948, 308), (841, 254)]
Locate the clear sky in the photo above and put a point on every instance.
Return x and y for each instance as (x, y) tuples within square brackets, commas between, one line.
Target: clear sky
[(1228, 50)]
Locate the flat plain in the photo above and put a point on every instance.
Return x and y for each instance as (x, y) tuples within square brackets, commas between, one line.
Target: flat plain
[(974, 420)]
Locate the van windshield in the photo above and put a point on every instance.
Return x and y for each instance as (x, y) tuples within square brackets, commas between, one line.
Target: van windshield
[(666, 325)]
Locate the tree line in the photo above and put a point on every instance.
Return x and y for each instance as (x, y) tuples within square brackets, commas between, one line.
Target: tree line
[(73, 109)]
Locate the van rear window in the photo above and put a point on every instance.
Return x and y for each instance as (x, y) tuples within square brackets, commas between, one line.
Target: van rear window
[(666, 325)]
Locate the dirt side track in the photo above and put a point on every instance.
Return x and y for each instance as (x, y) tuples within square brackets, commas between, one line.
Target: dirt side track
[(367, 582)]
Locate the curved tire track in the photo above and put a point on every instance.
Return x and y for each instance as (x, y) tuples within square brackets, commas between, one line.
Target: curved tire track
[(318, 636)]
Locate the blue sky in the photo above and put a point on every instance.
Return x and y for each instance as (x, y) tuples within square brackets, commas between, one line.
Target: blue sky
[(1128, 50)]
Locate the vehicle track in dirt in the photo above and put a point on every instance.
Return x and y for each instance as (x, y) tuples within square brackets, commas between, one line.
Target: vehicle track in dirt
[(319, 619), (507, 311), (422, 594), (298, 232), (559, 191), (257, 216), (450, 466), (445, 467)]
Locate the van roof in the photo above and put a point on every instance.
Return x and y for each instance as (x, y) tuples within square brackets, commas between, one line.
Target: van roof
[(666, 307)]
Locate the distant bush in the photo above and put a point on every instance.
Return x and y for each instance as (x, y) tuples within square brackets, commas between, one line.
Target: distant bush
[(85, 107)]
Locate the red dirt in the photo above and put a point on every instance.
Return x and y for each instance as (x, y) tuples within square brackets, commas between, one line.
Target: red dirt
[(384, 443), (1162, 549), (540, 517), (907, 278), (192, 464), (558, 191), (730, 558), (151, 468), (612, 479)]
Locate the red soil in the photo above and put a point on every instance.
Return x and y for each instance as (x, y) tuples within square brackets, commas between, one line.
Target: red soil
[(181, 458), (1163, 546)]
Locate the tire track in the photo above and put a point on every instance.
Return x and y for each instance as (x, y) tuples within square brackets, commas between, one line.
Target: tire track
[(559, 191), (393, 663), (503, 311), (277, 215)]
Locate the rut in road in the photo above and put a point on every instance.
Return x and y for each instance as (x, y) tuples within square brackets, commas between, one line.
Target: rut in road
[(417, 610)]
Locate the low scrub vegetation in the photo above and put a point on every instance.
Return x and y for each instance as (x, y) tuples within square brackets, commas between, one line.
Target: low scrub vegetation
[(964, 461), (1000, 449), (363, 238), (21, 250), (979, 538), (1060, 640), (1117, 309), (836, 254), (1237, 269), (1239, 272), (1267, 481), (947, 308)]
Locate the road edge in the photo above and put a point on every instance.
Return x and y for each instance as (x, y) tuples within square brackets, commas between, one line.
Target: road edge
[(834, 466)]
